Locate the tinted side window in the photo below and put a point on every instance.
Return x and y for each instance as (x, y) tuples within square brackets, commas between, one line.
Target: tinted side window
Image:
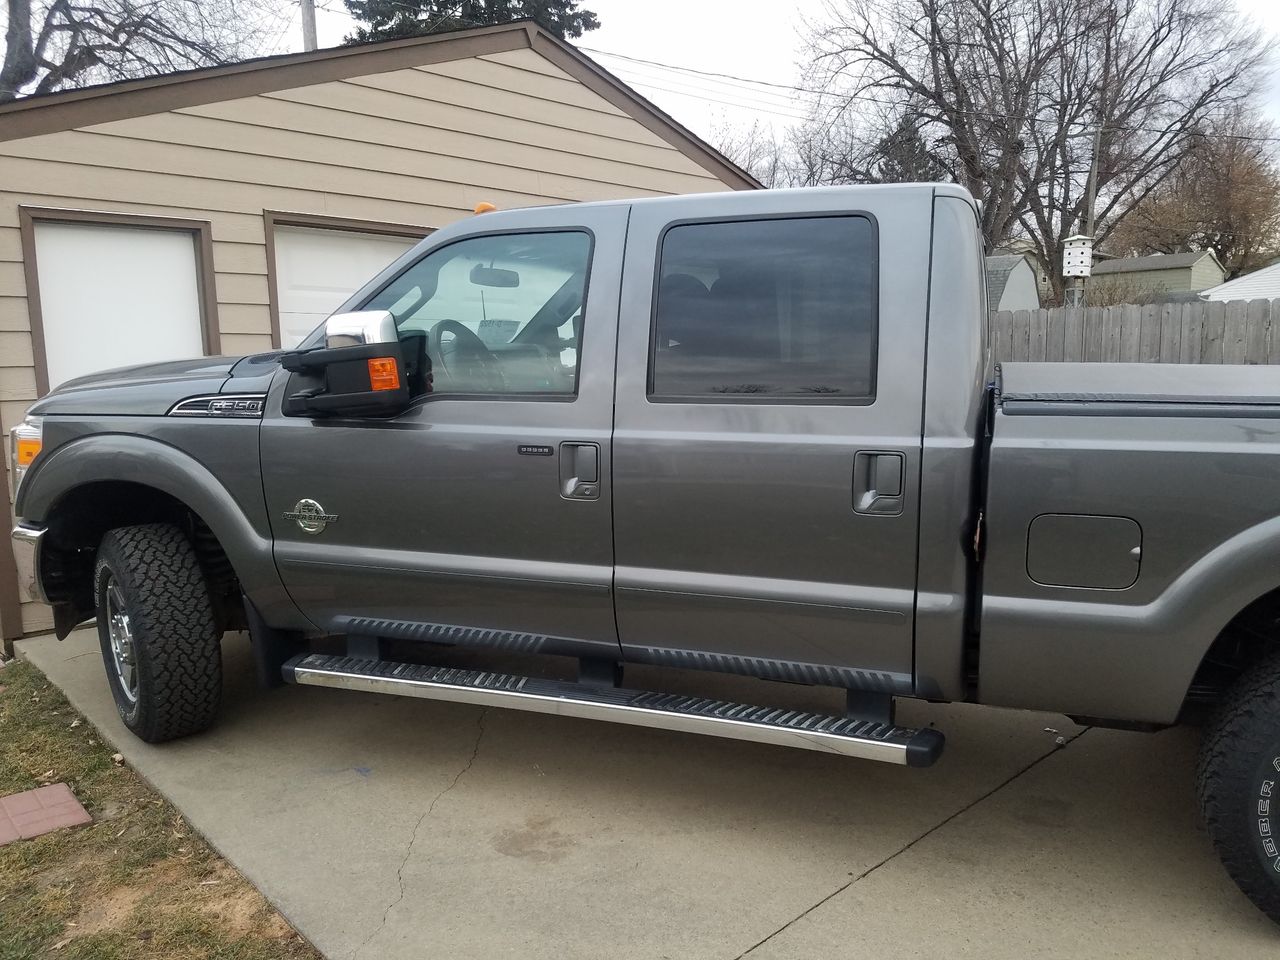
[(499, 314), (760, 310)]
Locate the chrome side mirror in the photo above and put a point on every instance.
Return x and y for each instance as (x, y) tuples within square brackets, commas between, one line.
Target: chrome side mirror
[(359, 372), (359, 328)]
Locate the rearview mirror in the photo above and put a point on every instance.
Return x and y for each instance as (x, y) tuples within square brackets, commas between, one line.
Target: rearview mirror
[(483, 276), (360, 371)]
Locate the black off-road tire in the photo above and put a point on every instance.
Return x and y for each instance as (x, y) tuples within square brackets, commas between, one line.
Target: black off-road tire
[(1238, 782), (176, 643)]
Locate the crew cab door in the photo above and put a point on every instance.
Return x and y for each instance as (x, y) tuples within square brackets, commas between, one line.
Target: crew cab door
[(485, 506), (767, 436)]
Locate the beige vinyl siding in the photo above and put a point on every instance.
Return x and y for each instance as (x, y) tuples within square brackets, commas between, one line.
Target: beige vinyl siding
[(418, 146), (1206, 273), (1138, 282), (1201, 275)]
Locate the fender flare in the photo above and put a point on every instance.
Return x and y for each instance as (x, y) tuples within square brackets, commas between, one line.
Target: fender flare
[(152, 463), (1210, 593)]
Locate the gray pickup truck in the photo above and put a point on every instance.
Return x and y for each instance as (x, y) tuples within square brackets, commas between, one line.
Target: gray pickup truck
[(746, 433)]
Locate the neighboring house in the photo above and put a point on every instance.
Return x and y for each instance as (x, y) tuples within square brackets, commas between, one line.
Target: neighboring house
[(1011, 284), (1262, 284), (1021, 246), (1161, 273), (228, 210)]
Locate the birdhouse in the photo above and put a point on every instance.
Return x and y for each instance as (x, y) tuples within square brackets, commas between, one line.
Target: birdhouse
[(1077, 256)]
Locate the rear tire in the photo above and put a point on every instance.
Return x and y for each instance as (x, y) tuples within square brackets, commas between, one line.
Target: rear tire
[(1238, 782), (160, 641)]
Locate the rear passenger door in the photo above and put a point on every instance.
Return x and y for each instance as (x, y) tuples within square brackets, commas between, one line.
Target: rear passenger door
[(767, 436)]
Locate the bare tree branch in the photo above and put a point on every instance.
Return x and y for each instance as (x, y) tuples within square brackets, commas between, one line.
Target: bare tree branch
[(1007, 95), (53, 44)]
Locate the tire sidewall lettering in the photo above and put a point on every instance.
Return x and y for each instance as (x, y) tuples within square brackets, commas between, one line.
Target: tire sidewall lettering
[(1266, 803)]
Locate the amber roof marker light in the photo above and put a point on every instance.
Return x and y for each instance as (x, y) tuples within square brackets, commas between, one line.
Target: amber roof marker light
[(484, 206)]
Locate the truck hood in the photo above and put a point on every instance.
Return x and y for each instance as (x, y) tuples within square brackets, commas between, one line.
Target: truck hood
[(151, 389)]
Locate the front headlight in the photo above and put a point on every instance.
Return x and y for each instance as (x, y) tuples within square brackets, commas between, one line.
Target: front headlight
[(25, 441)]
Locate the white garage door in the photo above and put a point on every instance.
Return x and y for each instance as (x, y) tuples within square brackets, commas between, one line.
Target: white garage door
[(316, 270), (114, 296)]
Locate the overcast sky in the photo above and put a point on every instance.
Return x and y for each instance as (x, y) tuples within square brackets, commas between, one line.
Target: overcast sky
[(746, 38)]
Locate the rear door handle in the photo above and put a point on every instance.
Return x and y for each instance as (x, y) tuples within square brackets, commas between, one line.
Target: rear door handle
[(877, 482), (580, 471)]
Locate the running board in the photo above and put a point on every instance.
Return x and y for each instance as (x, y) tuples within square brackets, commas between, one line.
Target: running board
[(848, 737)]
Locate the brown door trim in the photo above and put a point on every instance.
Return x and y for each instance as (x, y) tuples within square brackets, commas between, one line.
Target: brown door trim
[(206, 290), (282, 218)]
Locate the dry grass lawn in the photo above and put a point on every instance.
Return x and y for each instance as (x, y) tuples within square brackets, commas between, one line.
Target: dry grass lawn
[(137, 882)]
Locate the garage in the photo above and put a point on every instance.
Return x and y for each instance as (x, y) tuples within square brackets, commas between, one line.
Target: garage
[(113, 292), (228, 210), (316, 268)]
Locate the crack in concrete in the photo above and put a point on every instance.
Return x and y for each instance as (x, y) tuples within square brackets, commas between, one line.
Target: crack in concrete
[(413, 837), (897, 853)]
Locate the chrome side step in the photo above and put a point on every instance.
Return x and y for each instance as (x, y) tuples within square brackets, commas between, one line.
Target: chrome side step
[(867, 739)]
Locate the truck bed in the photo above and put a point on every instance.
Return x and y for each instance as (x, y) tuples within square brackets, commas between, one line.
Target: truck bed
[(1101, 388), (1129, 510)]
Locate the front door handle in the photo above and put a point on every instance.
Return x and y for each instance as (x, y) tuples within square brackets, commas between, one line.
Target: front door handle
[(580, 471), (878, 481)]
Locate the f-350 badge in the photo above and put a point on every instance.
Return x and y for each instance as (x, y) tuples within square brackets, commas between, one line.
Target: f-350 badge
[(310, 516)]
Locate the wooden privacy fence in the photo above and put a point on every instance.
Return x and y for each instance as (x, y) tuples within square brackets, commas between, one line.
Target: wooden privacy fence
[(1239, 331)]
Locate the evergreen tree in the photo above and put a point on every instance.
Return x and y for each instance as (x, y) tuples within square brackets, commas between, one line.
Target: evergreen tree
[(902, 156), (389, 19)]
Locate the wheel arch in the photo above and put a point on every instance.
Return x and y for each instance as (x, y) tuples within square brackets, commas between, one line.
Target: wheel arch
[(1248, 638), (89, 485)]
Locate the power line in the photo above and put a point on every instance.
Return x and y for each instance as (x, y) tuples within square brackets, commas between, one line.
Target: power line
[(791, 88), (793, 104), (726, 99), (726, 103)]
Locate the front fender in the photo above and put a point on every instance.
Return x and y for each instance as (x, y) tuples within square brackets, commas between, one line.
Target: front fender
[(153, 463)]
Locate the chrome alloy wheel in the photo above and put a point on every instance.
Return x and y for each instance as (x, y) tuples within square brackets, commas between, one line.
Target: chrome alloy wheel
[(120, 630)]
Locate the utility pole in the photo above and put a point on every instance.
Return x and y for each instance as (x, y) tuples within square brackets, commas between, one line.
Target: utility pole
[(308, 24), (1091, 196), (1093, 180), (1078, 283)]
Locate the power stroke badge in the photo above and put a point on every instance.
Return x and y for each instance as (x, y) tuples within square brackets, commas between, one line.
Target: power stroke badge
[(310, 516)]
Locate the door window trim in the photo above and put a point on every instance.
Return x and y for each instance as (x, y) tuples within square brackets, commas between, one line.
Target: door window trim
[(745, 399), (539, 396)]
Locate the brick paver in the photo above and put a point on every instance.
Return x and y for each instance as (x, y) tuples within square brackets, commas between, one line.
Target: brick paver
[(35, 812)]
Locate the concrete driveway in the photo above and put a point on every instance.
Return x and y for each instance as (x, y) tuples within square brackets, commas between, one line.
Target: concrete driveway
[(388, 828)]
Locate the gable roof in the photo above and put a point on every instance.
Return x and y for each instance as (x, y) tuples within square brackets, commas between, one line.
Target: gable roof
[(1260, 284), (999, 270), (68, 109), (1157, 261)]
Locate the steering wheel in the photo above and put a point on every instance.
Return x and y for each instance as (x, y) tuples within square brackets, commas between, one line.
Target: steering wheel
[(465, 359)]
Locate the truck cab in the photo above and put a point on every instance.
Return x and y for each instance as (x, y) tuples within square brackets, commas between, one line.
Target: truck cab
[(682, 431)]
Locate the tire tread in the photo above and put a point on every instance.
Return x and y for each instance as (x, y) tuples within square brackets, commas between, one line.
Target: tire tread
[(1246, 726), (173, 620)]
